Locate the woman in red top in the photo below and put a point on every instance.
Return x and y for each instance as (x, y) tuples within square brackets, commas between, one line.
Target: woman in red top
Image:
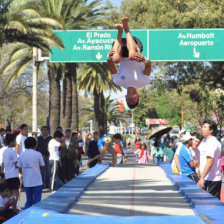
[(137, 143)]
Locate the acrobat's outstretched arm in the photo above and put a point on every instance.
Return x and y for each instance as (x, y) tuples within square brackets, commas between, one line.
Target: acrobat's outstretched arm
[(147, 70)]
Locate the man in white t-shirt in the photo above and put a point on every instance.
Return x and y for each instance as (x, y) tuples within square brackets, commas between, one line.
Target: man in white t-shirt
[(210, 160), (30, 164), (53, 148), (9, 166), (20, 147), (131, 73)]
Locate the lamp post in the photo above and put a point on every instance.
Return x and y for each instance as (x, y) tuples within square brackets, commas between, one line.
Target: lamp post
[(34, 100), (91, 126), (37, 58)]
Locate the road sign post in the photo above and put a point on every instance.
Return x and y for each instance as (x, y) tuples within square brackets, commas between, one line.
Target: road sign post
[(158, 45)]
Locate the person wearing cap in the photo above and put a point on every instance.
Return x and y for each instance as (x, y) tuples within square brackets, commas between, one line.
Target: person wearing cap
[(131, 73), (186, 162), (210, 159), (105, 144)]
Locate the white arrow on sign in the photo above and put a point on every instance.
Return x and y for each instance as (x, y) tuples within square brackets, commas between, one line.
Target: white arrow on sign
[(196, 54), (99, 56)]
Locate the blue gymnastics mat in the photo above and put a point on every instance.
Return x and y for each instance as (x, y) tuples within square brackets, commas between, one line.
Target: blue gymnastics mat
[(40, 217)]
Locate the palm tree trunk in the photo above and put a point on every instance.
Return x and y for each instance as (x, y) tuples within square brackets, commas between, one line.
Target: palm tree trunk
[(62, 116), (103, 114), (75, 100), (99, 112), (54, 97), (67, 93)]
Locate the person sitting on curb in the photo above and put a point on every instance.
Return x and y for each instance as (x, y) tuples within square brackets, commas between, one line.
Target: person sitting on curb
[(186, 162)]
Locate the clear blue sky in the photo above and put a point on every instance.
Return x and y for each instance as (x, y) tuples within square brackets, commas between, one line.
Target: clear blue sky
[(116, 3)]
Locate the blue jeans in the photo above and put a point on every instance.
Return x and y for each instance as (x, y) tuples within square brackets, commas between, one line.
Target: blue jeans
[(46, 173), (158, 160), (33, 195)]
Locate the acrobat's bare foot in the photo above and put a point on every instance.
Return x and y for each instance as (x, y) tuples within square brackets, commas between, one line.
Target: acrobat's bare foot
[(125, 24), (119, 27)]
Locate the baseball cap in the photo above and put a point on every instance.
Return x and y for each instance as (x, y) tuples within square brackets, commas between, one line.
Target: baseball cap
[(68, 129), (187, 137)]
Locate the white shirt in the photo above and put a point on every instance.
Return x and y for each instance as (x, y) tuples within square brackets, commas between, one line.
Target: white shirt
[(67, 141), (3, 201), (30, 162), (1, 154), (1, 141), (195, 154), (179, 146), (211, 148), (20, 139), (130, 74), (53, 147), (9, 160)]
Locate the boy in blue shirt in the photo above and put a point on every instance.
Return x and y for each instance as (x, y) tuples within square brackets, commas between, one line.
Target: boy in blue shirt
[(187, 164)]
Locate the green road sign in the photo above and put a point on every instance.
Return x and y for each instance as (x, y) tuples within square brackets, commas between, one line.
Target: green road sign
[(158, 45), (186, 45), (89, 45)]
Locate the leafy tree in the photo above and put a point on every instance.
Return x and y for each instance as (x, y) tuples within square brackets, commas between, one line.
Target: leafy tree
[(177, 14)]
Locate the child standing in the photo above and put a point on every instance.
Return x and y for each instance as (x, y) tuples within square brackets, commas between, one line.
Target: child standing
[(143, 154), (5, 203), (9, 165), (31, 163), (137, 146)]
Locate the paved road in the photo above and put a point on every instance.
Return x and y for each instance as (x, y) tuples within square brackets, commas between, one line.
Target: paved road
[(132, 190)]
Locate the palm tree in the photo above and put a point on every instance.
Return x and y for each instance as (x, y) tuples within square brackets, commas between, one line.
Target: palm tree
[(22, 21), (24, 24), (80, 16), (75, 15), (96, 78)]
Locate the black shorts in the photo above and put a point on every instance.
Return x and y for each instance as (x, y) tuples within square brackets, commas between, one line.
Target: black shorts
[(125, 49), (13, 183), (213, 187)]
